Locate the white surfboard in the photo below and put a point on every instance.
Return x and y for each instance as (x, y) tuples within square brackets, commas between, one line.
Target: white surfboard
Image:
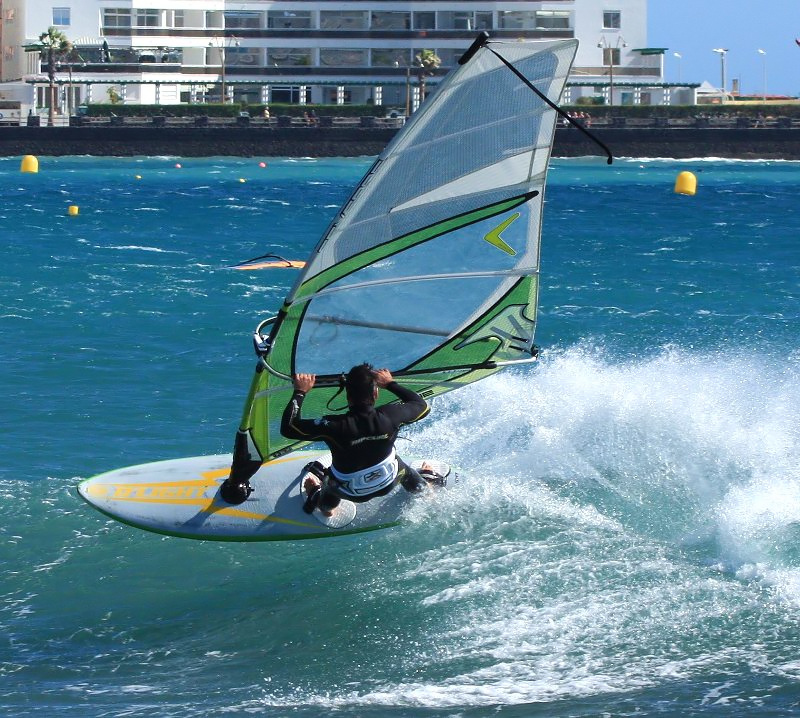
[(180, 497)]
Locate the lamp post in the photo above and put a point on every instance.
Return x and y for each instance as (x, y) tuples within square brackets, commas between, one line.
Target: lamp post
[(221, 46), (764, 70), (610, 51), (679, 58), (408, 85), (723, 53)]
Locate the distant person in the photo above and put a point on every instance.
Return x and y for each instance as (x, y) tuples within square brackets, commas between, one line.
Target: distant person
[(364, 463)]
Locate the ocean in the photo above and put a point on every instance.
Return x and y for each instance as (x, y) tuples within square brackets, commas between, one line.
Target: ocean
[(624, 538)]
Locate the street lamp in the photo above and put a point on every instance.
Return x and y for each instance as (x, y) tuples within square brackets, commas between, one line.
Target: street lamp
[(764, 68), (679, 57), (408, 85), (611, 52), (220, 45), (723, 53)]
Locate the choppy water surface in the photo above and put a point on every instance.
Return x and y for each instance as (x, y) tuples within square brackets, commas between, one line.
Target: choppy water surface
[(624, 536)]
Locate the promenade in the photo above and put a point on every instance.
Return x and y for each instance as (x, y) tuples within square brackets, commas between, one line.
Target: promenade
[(198, 137)]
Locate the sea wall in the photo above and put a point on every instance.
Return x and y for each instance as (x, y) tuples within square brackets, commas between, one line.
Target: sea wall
[(769, 142)]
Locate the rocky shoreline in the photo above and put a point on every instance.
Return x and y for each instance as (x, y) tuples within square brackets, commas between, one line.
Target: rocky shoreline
[(678, 143)]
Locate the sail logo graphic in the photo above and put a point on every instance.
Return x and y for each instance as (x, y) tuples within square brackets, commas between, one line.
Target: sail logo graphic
[(493, 237), (511, 328)]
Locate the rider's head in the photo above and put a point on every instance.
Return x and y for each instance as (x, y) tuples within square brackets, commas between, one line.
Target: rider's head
[(361, 387)]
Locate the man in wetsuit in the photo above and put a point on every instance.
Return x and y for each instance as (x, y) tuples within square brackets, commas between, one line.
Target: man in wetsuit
[(361, 441)]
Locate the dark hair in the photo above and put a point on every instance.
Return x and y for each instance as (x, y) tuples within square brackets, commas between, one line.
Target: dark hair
[(360, 384)]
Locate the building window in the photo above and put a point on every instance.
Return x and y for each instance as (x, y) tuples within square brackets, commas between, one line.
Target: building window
[(424, 20), (61, 16), (147, 18), (243, 56), (612, 20), (449, 56), (458, 20), (391, 57), (552, 20), (238, 20), (334, 57), (343, 20), (382, 20), (517, 19), (288, 19), (483, 20), (289, 57), (116, 17)]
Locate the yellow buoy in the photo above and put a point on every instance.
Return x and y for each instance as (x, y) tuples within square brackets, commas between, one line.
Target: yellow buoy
[(73, 210), (686, 183), (29, 164), (242, 179), (138, 176)]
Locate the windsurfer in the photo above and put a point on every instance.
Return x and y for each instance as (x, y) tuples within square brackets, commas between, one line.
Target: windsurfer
[(364, 463)]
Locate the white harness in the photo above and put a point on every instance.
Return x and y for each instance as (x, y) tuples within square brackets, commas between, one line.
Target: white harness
[(367, 481)]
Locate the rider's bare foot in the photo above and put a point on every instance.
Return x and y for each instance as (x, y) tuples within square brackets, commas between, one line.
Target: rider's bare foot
[(310, 485)]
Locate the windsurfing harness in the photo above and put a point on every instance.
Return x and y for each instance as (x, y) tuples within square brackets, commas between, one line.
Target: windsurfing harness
[(361, 440)]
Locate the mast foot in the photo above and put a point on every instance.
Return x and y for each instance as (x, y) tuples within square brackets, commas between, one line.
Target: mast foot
[(235, 492)]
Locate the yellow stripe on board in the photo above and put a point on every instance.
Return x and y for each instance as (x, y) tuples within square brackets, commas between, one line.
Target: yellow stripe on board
[(188, 492)]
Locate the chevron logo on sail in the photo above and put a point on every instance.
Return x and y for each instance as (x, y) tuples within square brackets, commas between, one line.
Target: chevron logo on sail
[(496, 240)]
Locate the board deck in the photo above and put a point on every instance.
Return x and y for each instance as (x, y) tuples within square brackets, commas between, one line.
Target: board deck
[(180, 497)]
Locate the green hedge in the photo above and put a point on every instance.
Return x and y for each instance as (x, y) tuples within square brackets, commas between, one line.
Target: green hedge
[(218, 110)]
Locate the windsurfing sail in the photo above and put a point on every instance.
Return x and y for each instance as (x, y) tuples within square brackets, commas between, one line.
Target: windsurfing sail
[(431, 268)]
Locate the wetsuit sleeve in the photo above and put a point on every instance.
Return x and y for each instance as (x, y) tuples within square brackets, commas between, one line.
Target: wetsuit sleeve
[(293, 425), (413, 407)]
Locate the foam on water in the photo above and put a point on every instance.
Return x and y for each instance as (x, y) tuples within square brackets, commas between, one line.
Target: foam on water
[(623, 535)]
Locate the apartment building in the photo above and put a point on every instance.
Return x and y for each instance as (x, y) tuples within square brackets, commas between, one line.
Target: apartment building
[(310, 51)]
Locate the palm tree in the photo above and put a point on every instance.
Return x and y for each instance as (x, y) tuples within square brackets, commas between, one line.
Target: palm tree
[(53, 42), (428, 62)]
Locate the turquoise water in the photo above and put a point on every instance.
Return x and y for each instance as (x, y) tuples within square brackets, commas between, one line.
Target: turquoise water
[(624, 538)]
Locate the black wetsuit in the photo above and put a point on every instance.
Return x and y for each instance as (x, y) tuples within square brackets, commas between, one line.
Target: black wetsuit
[(359, 439)]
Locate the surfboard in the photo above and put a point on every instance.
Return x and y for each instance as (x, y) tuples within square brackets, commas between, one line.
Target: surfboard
[(180, 497)]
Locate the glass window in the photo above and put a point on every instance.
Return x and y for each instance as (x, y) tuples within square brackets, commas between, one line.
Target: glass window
[(552, 20), (180, 18), (335, 57), (147, 18), (483, 20), (61, 16), (612, 19), (424, 20), (116, 17), (517, 19), (243, 56), (449, 57), (288, 19), (343, 20), (243, 20), (391, 57), (459, 20), (289, 56), (391, 20)]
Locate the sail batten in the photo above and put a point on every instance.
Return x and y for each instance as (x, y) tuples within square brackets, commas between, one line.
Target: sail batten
[(431, 268)]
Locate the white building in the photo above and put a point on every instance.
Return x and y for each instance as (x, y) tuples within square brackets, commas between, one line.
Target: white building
[(310, 51)]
